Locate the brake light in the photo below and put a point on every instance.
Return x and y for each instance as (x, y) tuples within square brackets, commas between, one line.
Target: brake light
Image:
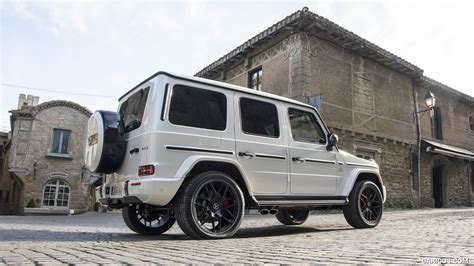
[(146, 170)]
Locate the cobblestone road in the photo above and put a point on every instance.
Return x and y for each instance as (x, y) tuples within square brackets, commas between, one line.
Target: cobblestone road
[(402, 237)]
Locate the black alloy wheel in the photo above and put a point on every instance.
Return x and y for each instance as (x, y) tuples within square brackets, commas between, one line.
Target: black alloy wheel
[(370, 205), (211, 206), (292, 216), (147, 220), (365, 207)]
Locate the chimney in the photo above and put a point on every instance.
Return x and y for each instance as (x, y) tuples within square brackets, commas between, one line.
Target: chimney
[(27, 100)]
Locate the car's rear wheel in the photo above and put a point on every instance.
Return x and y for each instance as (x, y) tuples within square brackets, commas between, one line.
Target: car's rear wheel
[(292, 216), (147, 220), (365, 206), (210, 205)]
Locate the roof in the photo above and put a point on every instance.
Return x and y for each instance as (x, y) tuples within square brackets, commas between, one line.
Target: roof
[(308, 21), (446, 88), (218, 84), (31, 111), (448, 150)]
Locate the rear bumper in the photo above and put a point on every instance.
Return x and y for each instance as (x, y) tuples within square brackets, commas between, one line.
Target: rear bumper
[(155, 191), (118, 203)]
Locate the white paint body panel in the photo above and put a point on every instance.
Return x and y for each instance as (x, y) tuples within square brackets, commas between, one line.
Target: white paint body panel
[(262, 176)]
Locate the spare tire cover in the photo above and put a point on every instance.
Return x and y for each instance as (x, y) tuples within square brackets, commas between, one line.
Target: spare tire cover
[(105, 142)]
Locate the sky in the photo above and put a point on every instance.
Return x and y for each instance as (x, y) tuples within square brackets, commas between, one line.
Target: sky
[(101, 49)]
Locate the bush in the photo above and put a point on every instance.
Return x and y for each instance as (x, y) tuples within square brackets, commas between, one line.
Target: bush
[(31, 204)]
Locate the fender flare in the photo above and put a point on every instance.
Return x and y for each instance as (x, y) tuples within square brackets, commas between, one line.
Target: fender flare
[(191, 161), (354, 175)]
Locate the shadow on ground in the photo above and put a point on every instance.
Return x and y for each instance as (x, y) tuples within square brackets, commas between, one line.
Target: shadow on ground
[(17, 235)]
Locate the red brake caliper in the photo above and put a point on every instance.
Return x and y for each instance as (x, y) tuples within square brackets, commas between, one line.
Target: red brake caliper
[(225, 203)]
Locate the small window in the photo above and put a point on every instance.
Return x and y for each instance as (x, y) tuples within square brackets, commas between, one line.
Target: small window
[(471, 123), (436, 126), (305, 127), (199, 108), (259, 118), (131, 111), (365, 155), (255, 79), (60, 141)]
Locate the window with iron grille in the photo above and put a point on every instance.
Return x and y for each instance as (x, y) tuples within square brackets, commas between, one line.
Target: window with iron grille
[(436, 125), (255, 79)]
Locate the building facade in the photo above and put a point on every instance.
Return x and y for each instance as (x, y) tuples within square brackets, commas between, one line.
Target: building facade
[(44, 159), (367, 96)]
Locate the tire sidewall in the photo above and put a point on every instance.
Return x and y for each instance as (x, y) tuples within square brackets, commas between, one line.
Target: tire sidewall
[(131, 220), (191, 192), (358, 193)]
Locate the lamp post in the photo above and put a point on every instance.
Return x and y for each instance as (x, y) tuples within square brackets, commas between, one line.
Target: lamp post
[(430, 101)]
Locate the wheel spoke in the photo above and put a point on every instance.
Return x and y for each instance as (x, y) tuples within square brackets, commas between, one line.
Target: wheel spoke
[(230, 213), (228, 206)]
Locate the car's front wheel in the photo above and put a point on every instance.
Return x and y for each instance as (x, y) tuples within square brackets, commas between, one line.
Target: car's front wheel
[(365, 206), (210, 205), (147, 220), (292, 216)]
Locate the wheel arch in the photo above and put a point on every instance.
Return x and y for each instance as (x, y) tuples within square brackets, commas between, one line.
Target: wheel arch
[(365, 174), (227, 166)]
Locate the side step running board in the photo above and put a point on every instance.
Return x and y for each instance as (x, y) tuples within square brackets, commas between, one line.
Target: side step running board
[(301, 202)]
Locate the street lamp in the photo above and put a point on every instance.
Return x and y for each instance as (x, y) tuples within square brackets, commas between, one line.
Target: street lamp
[(430, 101)]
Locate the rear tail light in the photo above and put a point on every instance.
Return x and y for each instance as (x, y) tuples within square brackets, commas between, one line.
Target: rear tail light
[(146, 170)]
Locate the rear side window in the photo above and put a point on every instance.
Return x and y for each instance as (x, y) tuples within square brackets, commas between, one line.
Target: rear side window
[(305, 127), (259, 118), (200, 108), (131, 111)]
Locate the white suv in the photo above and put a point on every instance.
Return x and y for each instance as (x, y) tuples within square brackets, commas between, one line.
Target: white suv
[(202, 152)]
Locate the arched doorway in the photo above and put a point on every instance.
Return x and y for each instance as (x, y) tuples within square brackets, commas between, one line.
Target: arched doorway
[(56, 194)]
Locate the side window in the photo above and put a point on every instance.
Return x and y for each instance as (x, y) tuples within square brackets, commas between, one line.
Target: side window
[(60, 141), (305, 127), (200, 108), (131, 111), (259, 118)]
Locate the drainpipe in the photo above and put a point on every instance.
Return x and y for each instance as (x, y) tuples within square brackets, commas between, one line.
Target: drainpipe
[(418, 139)]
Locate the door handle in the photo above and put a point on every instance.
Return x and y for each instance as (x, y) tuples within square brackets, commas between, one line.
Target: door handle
[(298, 159), (246, 154)]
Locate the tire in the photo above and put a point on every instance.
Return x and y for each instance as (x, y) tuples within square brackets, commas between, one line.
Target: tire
[(105, 146), (292, 216), (210, 206), (365, 207), (142, 219)]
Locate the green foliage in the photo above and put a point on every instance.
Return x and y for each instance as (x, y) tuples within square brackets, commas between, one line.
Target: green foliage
[(31, 204)]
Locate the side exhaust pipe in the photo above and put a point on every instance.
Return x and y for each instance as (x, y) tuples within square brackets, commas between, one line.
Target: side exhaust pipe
[(263, 211), (273, 211)]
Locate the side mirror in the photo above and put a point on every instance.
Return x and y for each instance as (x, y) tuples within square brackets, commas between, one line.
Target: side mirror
[(333, 139)]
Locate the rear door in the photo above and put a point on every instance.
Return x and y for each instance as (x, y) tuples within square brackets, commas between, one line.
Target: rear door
[(261, 144), (313, 169)]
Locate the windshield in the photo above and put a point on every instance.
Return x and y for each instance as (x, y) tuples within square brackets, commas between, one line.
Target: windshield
[(131, 111)]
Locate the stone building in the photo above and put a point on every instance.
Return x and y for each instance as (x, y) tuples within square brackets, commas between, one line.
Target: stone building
[(367, 96), (44, 166)]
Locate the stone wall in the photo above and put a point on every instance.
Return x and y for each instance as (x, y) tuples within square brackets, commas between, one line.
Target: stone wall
[(31, 158)]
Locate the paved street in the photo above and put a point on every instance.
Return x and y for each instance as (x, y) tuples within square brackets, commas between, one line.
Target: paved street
[(402, 237)]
